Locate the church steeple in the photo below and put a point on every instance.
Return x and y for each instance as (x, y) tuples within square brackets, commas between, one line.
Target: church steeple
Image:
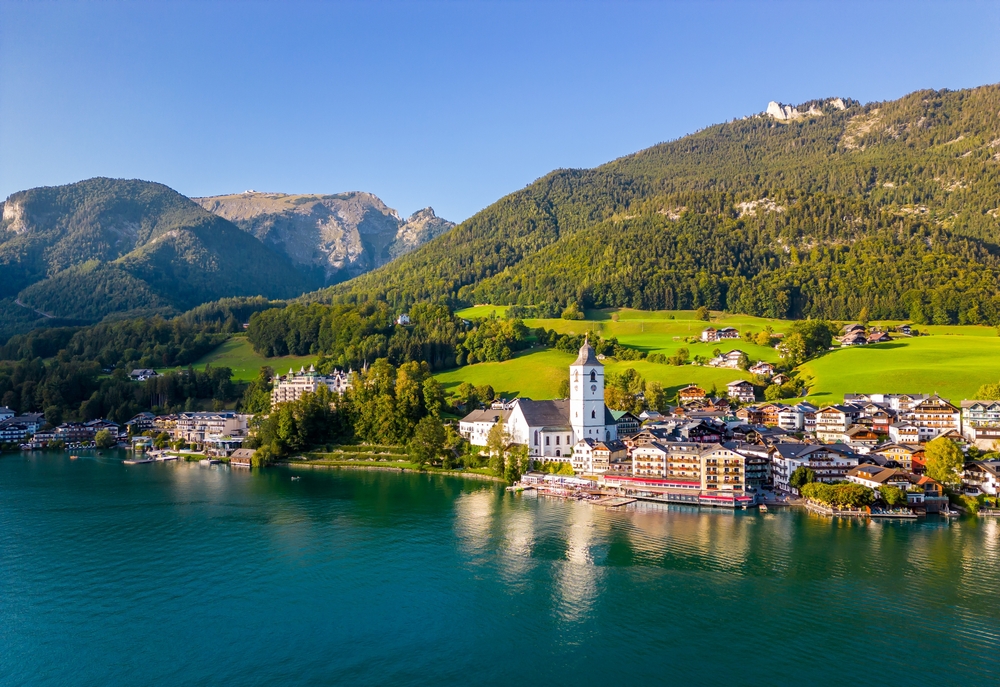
[(586, 398)]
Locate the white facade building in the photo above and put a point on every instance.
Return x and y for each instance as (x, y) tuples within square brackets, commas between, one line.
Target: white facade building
[(290, 387)]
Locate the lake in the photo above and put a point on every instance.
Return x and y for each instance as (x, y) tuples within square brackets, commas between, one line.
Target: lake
[(187, 575)]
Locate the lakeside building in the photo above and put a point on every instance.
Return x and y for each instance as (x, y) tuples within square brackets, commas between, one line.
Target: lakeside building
[(551, 429), (6, 413), (595, 457), (196, 427), (19, 428), (829, 462), (982, 477), (475, 427), (291, 387)]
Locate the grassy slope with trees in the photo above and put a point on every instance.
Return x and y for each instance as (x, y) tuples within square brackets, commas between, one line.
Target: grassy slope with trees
[(953, 361), (890, 206)]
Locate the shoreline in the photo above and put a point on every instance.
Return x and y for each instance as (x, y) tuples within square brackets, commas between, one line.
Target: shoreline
[(389, 468)]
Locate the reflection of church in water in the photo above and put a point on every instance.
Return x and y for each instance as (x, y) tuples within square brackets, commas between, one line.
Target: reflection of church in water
[(551, 428)]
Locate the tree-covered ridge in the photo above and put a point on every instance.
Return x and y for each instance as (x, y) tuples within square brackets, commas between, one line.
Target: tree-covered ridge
[(891, 206), (126, 247)]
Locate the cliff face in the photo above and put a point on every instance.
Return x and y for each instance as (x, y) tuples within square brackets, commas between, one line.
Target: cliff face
[(337, 236)]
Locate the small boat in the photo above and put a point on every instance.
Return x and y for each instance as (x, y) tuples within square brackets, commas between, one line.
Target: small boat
[(296, 478), (763, 508), (138, 461), (73, 457)]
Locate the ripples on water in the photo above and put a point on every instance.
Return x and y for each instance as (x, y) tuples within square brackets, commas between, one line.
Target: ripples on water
[(181, 574)]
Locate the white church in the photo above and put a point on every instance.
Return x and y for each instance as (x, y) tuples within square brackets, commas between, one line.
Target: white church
[(550, 429)]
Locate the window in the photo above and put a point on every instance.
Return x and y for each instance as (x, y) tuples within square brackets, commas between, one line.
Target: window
[(593, 375), (536, 437), (593, 413), (546, 441), (557, 441)]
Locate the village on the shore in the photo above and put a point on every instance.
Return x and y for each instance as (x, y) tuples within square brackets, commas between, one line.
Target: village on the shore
[(865, 456), (868, 455)]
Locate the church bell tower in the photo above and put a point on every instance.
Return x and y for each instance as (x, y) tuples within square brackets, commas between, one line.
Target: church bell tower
[(586, 395)]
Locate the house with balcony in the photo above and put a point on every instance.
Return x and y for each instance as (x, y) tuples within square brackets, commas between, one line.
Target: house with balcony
[(981, 477), (904, 433), (741, 390), (830, 462), (981, 422), (833, 421), (595, 457), (933, 416)]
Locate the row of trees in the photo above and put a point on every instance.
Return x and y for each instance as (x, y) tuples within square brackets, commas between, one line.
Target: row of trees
[(81, 391)]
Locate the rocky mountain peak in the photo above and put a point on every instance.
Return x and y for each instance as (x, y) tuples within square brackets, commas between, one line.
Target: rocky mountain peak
[(338, 235)]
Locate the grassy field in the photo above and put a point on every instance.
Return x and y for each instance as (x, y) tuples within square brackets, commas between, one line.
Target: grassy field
[(237, 354), (953, 364), (952, 361), (538, 373)]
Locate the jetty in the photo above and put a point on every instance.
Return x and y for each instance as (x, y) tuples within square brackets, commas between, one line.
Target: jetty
[(137, 461)]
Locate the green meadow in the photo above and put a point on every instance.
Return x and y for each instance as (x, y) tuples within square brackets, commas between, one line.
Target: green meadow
[(952, 360), (236, 353)]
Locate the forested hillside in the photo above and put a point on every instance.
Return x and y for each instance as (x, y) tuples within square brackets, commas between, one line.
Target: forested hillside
[(127, 247), (891, 206)]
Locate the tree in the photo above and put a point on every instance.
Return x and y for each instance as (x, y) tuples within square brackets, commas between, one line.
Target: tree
[(161, 439), (564, 388), (744, 361), (702, 313), (892, 495), (516, 463), (944, 461), (989, 392), (763, 339), (103, 439), (485, 393), (467, 396), (656, 397), (428, 440), (433, 394), (801, 477), (773, 393), (792, 349), (864, 316)]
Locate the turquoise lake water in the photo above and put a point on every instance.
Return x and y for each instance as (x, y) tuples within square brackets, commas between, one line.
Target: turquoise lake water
[(177, 574)]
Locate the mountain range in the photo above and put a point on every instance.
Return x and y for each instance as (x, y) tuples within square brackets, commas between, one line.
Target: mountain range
[(115, 247), (820, 209)]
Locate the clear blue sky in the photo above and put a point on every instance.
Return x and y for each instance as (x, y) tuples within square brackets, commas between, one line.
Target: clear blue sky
[(449, 104)]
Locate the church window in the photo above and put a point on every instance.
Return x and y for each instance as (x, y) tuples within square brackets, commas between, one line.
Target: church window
[(557, 452), (593, 414), (593, 375), (546, 441), (536, 437), (557, 441)]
